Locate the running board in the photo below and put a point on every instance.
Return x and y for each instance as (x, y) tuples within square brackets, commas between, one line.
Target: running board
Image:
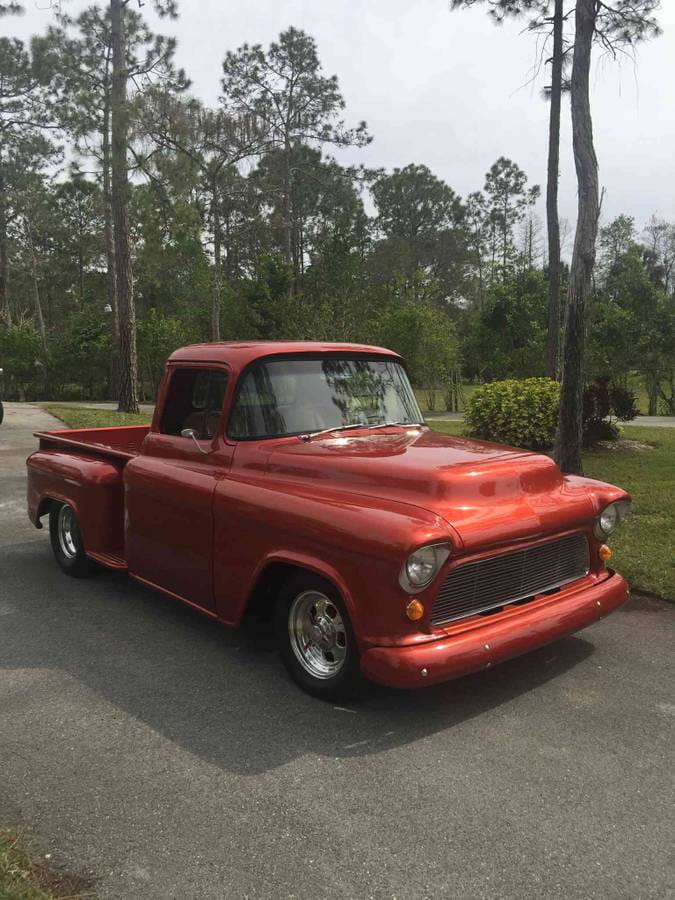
[(109, 561)]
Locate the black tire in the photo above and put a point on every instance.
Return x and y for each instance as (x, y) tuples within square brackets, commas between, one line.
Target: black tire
[(328, 668), (66, 541), (2, 412)]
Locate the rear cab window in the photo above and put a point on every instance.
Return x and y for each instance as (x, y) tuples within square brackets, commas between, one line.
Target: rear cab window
[(194, 400)]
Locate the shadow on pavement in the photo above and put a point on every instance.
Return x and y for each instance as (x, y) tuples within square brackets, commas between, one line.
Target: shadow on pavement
[(220, 694)]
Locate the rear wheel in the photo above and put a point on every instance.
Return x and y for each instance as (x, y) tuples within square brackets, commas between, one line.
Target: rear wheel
[(66, 540), (316, 639)]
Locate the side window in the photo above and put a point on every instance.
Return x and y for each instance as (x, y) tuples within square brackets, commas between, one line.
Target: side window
[(194, 400)]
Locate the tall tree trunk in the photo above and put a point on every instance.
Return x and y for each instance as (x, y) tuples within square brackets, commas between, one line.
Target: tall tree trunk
[(80, 266), (36, 286), (111, 280), (653, 392), (481, 288), (530, 243), (568, 437), (128, 387), (552, 222), (287, 225), (479, 264), (5, 311), (217, 264), (505, 237)]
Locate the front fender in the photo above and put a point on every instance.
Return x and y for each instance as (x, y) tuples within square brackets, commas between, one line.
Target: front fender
[(358, 544)]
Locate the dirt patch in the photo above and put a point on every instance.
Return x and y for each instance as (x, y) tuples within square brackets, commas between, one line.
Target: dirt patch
[(24, 872), (622, 446)]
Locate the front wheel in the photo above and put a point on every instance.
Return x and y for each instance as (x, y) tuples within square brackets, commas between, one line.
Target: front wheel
[(316, 639), (66, 540)]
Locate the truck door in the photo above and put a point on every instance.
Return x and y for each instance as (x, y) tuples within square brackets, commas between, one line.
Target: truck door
[(169, 488)]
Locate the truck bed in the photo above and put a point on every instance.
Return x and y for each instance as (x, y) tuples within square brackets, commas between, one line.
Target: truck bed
[(121, 442)]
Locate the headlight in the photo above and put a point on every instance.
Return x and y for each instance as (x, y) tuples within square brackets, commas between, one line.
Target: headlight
[(421, 567), (610, 518)]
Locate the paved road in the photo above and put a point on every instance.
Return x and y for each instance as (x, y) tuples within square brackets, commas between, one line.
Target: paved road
[(170, 758)]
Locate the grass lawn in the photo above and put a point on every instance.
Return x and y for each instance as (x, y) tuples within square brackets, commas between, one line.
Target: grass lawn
[(635, 383), (23, 879), (439, 398), (84, 417), (644, 546)]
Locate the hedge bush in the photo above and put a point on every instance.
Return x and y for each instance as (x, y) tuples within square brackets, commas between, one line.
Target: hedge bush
[(521, 413)]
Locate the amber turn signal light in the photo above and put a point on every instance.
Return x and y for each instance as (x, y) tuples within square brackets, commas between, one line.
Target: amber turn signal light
[(605, 552), (414, 610)]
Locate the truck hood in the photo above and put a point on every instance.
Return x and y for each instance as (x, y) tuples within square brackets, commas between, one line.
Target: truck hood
[(487, 493)]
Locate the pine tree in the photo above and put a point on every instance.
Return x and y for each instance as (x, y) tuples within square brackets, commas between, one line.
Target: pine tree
[(626, 22), (26, 120), (284, 91)]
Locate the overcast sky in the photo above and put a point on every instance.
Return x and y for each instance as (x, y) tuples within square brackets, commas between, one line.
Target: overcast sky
[(449, 90)]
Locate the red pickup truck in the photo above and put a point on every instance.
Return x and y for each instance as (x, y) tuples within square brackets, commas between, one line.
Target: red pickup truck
[(302, 477)]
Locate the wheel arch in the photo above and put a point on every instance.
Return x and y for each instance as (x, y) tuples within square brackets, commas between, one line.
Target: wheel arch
[(44, 507), (277, 568), (47, 502)]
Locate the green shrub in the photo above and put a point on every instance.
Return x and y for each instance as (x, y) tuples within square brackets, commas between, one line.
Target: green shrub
[(602, 402), (520, 413)]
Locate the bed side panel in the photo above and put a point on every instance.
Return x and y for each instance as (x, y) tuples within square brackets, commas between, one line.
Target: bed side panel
[(92, 486), (119, 441)]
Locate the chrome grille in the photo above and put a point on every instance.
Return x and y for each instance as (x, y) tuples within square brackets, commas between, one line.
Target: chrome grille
[(487, 583)]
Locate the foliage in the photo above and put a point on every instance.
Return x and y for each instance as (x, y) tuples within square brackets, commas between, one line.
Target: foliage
[(603, 401), (158, 336), (266, 297), (506, 338), (632, 320), (294, 106), (425, 337), (83, 354), (20, 351), (286, 89), (508, 199), (412, 204), (524, 413), (521, 413)]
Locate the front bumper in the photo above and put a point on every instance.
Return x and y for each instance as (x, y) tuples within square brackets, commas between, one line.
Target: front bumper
[(493, 641)]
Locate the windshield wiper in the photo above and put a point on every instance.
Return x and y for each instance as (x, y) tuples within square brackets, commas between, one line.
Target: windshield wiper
[(311, 434)]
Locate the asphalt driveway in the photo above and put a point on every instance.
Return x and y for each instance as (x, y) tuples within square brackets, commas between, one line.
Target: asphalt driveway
[(170, 758), (16, 442)]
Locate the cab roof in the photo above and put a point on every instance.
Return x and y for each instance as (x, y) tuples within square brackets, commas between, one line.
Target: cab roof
[(238, 354)]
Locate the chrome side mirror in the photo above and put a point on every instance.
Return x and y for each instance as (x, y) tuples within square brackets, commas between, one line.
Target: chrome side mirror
[(191, 433)]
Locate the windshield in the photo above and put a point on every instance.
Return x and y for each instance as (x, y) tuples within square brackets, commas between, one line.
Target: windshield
[(298, 396)]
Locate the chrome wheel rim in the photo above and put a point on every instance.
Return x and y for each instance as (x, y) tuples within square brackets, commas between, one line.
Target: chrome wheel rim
[(318, 634), (66, 532)]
